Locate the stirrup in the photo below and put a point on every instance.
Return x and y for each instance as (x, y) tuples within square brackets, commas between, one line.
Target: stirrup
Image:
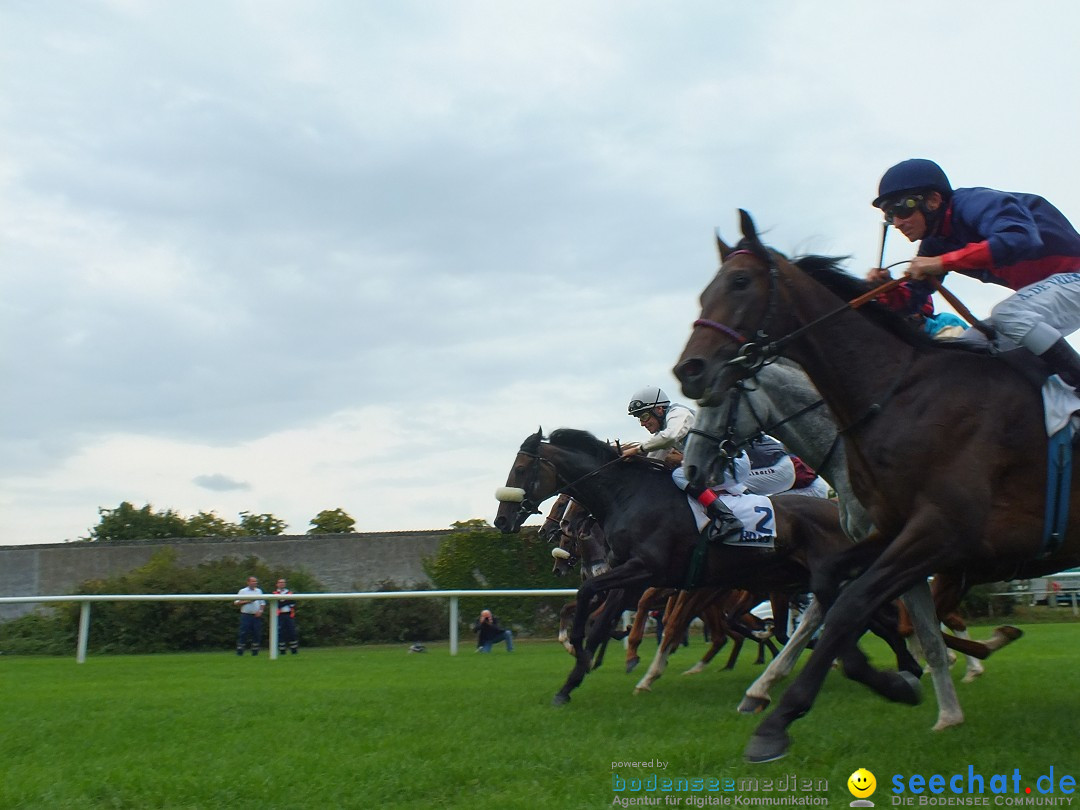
[(723, 531)]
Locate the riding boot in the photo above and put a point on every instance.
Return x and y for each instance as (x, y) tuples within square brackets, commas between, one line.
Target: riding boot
[(725, 526), (1064, 361)]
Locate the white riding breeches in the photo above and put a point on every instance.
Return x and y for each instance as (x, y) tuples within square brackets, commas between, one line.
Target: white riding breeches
[(772, 480), (1040, 314)]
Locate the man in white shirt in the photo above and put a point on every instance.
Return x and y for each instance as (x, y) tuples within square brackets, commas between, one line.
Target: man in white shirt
[(251, 611)]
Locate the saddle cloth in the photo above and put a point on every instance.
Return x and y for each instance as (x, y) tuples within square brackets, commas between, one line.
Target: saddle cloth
[(755, 512), (1060, 405)]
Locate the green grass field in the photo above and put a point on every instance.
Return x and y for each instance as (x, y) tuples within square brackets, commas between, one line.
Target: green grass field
[(382, 728)]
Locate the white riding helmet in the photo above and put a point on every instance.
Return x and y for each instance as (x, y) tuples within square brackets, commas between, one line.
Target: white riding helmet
[(646, 399)]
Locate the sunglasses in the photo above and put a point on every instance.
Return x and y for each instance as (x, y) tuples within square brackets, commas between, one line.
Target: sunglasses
[(902, 208)]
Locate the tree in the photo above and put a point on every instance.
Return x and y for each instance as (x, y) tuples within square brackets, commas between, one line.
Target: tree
[(125, 522), (208, 524), (261, 525), (128, 523), (332, 521)]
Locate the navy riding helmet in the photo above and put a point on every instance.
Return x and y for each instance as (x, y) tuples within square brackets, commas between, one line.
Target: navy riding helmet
[(916, 174)]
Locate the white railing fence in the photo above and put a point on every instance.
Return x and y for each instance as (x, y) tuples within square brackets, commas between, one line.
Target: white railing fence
[(85, 600)]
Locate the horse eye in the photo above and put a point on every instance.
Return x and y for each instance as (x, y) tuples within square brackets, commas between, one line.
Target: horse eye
[(739, 282)]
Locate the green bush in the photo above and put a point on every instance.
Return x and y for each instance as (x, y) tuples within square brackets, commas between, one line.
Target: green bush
[(978, 601)]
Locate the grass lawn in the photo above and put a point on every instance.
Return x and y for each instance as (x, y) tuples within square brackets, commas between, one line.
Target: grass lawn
[(382, 728)]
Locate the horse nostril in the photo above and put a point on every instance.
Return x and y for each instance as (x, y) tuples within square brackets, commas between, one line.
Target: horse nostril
[(500, 523), (690, 369)]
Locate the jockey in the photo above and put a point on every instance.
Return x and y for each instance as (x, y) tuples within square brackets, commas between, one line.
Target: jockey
[(772, 470), (670, 423), (775, 471), (1020, 241)]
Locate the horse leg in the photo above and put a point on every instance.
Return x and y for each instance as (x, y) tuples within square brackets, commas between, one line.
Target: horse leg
[(920, 609), (713, 616), (760, 660), (884, 624), (632, 573), (677, 618), (637, 630), (566, 620), (757, 697), (910, 558), (974, 667), (738, 640), (948, 590)]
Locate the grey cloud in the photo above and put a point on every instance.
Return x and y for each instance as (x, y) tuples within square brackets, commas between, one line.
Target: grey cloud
[(218, 482)]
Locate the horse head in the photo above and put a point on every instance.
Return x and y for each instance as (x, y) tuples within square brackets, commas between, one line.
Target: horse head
[(532, 480), (739, 316)]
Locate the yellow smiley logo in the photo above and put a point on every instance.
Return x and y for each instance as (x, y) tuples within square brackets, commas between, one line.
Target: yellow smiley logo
[(862, 783)]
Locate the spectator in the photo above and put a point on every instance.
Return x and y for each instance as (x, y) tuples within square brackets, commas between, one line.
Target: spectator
[(488, 632), (251, 611), (286, 620)]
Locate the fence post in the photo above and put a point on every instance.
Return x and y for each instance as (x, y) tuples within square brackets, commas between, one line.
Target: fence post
[(84, 632), (453, 624), (273, 604)]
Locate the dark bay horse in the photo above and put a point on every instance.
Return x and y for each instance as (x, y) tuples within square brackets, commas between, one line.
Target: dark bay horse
[(779, 399), (652, 535), (946, 448)]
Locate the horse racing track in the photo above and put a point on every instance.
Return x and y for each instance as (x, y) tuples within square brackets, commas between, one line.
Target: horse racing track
[(381, 727)]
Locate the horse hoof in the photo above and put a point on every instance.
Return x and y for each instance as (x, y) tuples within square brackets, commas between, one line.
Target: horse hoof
[(640, 690), (1010, 632), (560, 700), (911, 690), (633, 662), (766, 749), (971, 675), (753, 705)]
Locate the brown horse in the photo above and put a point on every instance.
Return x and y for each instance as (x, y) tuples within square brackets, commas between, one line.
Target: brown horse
[(946, 448), (725, 613)]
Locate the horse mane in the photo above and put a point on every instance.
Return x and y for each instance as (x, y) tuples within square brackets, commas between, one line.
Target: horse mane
[(583, 441), (827, 271)]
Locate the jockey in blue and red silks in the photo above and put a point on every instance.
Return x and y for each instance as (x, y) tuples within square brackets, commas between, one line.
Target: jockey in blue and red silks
[(1020, 241)]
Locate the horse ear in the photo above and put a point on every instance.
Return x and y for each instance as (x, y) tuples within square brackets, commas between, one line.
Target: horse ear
[(532, 444), (722, 247), (748, 229)]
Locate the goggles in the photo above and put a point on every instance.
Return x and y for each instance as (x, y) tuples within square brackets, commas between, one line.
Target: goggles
[(902, 208), (645, 416)]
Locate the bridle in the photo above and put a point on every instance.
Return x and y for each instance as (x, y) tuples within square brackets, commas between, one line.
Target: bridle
[(728, 447), (531, 505)]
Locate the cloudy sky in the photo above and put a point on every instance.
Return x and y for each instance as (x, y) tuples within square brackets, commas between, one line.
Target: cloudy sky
[(285, 257)]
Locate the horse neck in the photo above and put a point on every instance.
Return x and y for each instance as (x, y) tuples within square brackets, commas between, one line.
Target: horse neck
[(781, 392), (852, 362), (582, 478)]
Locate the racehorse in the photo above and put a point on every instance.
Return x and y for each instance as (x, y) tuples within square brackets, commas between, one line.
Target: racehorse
[(782, 401), (721, 612), (578, 539), (652, 539), (947, 448), (725, 613)]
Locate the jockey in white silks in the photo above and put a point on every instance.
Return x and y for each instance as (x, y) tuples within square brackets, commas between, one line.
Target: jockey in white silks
[(670, 423)]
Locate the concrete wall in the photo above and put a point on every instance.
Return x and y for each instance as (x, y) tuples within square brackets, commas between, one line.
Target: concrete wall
[(340, 562)]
